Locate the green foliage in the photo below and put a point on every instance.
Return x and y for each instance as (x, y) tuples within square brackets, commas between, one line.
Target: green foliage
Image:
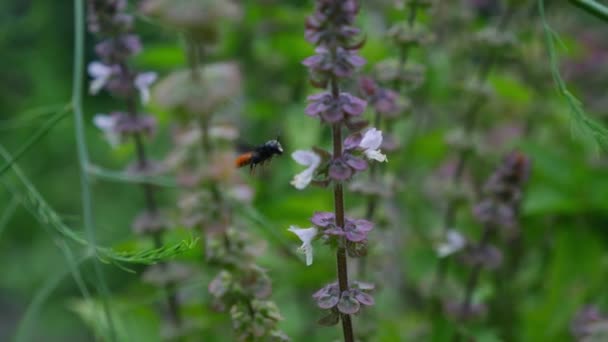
[(583, 125)]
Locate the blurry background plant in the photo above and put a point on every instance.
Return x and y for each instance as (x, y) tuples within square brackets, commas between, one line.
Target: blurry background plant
[(204, 99), (563, 264)]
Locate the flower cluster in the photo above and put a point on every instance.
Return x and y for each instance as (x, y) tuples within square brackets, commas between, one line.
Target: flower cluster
[(354, 231), (499, 208), (118, 126), (243, 289), (332, 22), (323, 167), (337, 42), (589, 324), (383, 100), (503, 192), (203, 160), (109, 21), (347, 302), (113, 26), (328, 109)]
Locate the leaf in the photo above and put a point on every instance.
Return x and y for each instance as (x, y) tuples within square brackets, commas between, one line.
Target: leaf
[(33, 201), (583, 126)]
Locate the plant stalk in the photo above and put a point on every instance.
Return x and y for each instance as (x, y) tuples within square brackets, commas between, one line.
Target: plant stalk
[(151, 205), (341, 261)]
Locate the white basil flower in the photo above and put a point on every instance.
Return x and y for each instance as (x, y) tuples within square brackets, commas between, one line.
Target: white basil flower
[(100, 74), (453, 243), (107, 124), (143, 82), (306, 235), (370, 143), (309, 159)]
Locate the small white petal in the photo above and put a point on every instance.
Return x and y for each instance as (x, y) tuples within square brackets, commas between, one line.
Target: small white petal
[(100, 74), (107, 123), (104, 122), (98, 69), (143, 82), (454, 243), (372, 139), (370, 143), (306, 158), (375, 155), (306, 235), (97, 84), (302, 179)]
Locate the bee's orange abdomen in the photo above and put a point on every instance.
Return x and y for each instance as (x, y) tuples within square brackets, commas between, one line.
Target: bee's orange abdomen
[(244, 159)]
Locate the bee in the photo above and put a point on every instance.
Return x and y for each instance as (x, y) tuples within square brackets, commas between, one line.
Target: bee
[(259, 154)]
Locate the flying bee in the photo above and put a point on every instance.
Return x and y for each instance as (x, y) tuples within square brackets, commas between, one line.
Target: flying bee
[(259, 154)]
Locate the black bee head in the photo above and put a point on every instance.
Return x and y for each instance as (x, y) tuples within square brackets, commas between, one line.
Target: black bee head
[(274, 146)]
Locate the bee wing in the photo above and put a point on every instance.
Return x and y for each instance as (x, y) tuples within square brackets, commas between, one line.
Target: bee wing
[(243, 147)]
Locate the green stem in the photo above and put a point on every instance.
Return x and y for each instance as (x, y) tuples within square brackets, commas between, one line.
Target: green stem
[(592, 7), (83, 158)]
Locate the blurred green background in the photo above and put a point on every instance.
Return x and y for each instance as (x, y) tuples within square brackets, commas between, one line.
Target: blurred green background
[(565, 256)]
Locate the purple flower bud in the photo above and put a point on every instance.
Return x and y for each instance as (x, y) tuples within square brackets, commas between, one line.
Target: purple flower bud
[(352, 105), (116, 50), (353, 234), (323, 219), (368, 86), (358, 164), (325, 106), (352, 141), (357, 230), (128, 124), (120, 85), (348, 304), (318, 104), (328, 296), (386, 102), (342, 64), (331, 22), (363, 298), (339, 170), (317, 62)]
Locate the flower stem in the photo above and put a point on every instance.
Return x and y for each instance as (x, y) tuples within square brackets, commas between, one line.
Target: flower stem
[(342, 264), (474, 275), (473, 280), (151, 205)]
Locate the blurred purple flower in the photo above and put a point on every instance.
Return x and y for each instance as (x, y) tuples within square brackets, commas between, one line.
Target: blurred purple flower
[(383, 100), (342, 64)]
